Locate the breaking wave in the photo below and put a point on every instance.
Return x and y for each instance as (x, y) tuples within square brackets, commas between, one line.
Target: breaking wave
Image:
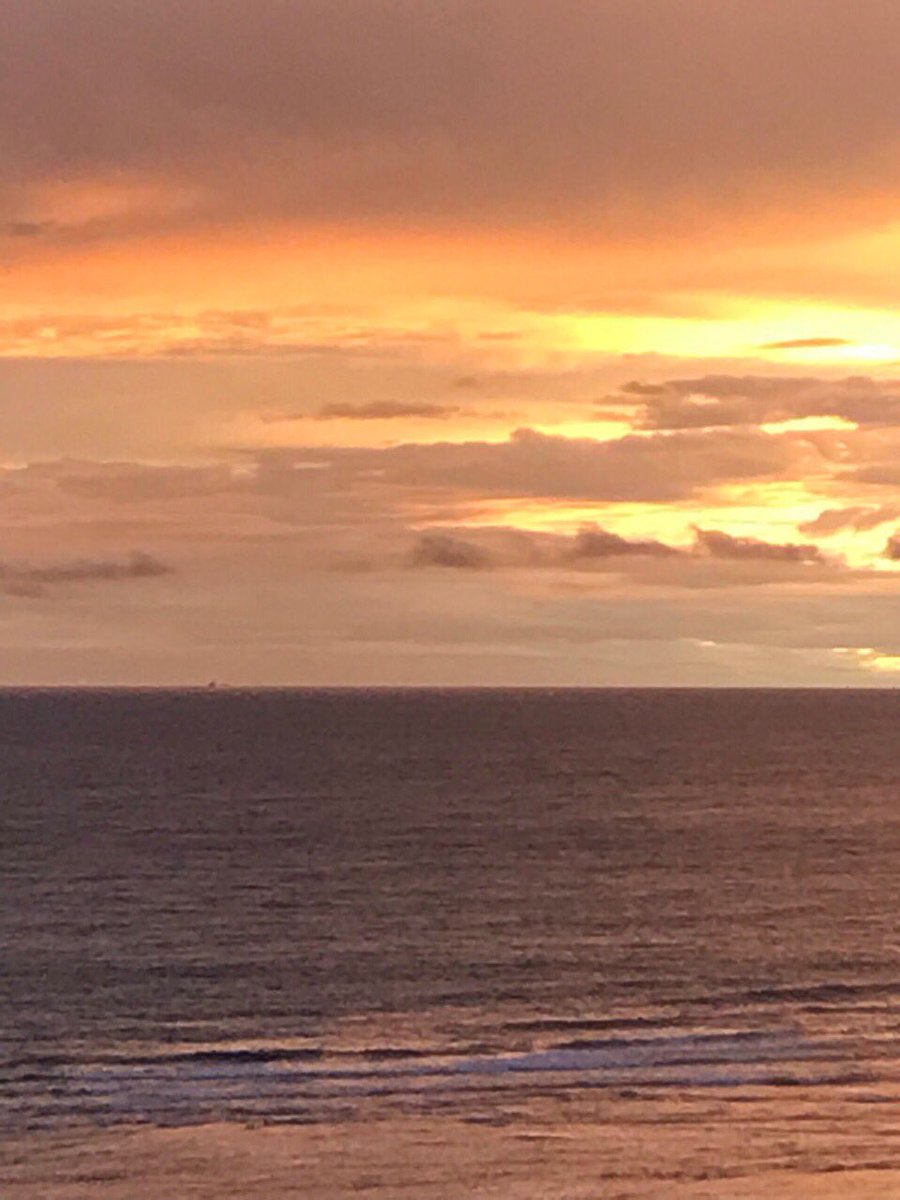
[(230, 1081)]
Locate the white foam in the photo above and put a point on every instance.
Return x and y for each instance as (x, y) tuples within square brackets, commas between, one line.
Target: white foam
[(168, 1088)]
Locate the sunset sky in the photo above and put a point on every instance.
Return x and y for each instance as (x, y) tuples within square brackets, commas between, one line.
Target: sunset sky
[(450, 342)]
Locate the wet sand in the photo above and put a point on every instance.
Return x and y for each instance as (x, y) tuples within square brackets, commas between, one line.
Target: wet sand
[(681, 1148)]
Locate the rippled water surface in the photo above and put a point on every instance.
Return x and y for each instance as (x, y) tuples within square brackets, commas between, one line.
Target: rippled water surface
[(524, 910)]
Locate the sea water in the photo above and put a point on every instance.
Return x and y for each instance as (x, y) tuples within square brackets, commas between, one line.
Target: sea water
[(541, 914)]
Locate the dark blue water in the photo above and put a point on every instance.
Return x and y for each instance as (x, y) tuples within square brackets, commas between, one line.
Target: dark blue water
[(288, 905)]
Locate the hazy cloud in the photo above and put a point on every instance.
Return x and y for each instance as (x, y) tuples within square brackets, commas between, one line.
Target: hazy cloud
[(384, 410), (635, 387), (667, 467), (724, 545), (134, 483), (753, 400), (23, 579), (443, 550), (714, 559), (25, 229), (648, 468), (504, 547), (812, 343), (856, 517), (594, 543), (881, 474)]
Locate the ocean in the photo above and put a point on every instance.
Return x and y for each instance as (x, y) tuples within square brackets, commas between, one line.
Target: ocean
[(449, 944)]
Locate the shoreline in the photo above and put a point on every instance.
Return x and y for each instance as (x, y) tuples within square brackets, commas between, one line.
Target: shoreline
[(667, 1155)]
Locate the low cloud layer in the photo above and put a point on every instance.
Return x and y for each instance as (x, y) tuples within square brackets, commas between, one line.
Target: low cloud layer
[(385, 410), (745, 549), (595, 548), (653, 469), (726, 400), (858, 518), (443, 550), (594, 543), (442, 561), (24, 579), (810, 343), (532, 463)]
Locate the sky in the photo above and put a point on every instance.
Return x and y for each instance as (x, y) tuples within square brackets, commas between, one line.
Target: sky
[(450, 342)]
